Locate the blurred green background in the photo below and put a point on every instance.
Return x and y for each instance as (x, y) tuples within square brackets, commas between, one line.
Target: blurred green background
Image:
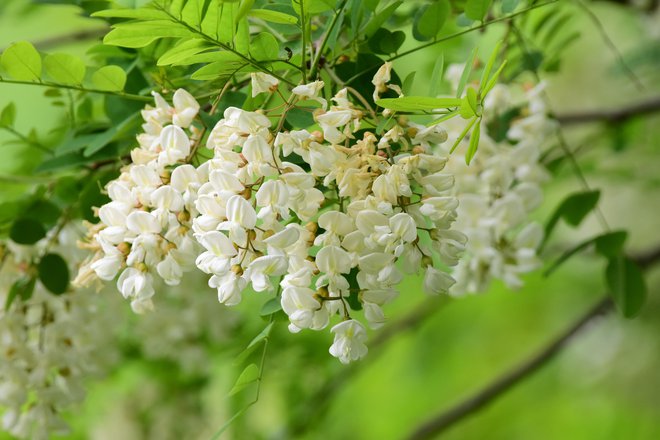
[(606, 385)]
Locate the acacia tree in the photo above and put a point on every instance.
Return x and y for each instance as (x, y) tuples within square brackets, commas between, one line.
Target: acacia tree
[(275, 150)]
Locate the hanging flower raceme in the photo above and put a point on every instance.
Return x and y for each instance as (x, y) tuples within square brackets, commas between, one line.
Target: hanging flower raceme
[(328, 220)]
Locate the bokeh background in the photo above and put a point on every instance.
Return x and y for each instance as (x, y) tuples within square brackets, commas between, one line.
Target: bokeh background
[(605, 385)]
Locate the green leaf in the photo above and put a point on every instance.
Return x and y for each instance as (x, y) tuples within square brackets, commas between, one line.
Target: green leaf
[(46, 211), (436, 75), (462, 135), (472, 100), (65, 68), (485, 76), (380, 18), (611, 244), (249, 375), (8, 115), (413, 103), (264, 47), (140, 13), (509, 6), (100, 140), (573, 210), (299, 118), (386, 42), (466, 73), (477, 9), (430, 19), (608, 245), (182, 51), (271, 306), (217, 70), (261, 337), (109, 78), (142, 33), (273, 16), (54, 273), (22, 288), (627, 285), (22, 62), (409, 81), (474, 143), (27, 231)]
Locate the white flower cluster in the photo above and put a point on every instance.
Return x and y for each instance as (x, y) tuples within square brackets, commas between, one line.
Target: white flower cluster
[(326, 214), (145, 229), (50, 346), (499, 189)]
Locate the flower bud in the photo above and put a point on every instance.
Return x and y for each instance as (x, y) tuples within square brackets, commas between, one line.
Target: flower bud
[(237, 269), (427, 261)]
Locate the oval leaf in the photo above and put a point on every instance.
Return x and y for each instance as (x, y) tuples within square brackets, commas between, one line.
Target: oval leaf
[(109, 78), (249, 375), (65, 68), (413, 103), (273, 16), (264, 47), (627, 285), (54, 273), (27, 231), (22, 61)]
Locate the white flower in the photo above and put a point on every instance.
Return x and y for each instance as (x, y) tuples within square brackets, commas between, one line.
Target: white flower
[(436, 281), (262, 268), (241, 216), (300, 305), (349, 341), (262, 83), (311, 91), (175, 145), (229, 288), (185, 108), (138, 286), (219, 250), (380, 80)]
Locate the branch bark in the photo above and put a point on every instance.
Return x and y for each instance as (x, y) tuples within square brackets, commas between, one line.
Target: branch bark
[(612, 116), (446, 419)]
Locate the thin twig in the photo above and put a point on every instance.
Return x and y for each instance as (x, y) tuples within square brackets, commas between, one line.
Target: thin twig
[(610, 44), (474, 403), (446, 419), (613, 116)]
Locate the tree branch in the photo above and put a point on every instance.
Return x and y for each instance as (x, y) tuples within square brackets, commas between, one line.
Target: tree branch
[(613, 116), (508, 380), (474, 403)]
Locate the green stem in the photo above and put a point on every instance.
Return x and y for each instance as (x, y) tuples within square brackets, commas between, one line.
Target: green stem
[(457, 34), (303, 51), (324, 42), (27, 140), (79, 88), (225, 46)]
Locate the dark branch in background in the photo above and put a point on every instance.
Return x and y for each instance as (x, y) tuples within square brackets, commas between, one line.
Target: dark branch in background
[(446, 419), (74, 37), (614, 116), (316, 406), (609, 43)]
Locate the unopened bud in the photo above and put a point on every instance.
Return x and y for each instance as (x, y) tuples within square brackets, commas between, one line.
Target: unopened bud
[(124, 248), (312, 227), (403, 120), (418, 149), (412, 131), (387, 113), (142, 267), (183, 217), (427, 261), (237, 269)]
